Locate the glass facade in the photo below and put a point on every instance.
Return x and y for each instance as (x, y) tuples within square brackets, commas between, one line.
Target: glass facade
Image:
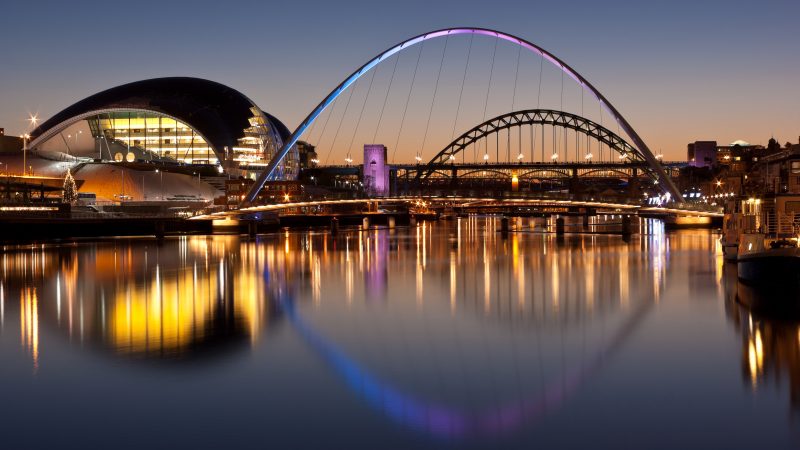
[(260, 142), (137, 136), (149, 137)]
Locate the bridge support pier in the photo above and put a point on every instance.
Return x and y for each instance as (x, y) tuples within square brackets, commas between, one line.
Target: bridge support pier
[(365, 223), (504, 224), (159, 229), (252, 228), (627, 225), (559, 226), (335, 225)]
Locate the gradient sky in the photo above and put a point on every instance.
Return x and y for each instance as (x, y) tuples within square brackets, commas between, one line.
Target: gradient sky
[(678, 70)]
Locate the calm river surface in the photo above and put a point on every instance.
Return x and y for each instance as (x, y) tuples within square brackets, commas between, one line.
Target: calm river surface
[(440, 335)]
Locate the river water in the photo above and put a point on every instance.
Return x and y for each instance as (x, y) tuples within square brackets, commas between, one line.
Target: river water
[(445, 334)]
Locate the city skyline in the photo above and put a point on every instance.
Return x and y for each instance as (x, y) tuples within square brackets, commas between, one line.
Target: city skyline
[(674, 86)]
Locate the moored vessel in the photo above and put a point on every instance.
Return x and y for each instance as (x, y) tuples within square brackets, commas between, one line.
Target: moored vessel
[(768, 253)]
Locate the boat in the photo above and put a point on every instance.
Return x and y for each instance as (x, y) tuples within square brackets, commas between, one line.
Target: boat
[(731, 231), (768, 252)]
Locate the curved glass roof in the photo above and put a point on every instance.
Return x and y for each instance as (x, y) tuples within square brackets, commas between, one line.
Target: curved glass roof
[(218, 112)]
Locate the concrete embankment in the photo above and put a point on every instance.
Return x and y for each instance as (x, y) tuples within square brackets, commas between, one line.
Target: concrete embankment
[(26, 229)]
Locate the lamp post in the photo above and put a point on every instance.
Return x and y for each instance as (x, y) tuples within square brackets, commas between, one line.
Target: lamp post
[(33, 119), (161, 175), (24, 152), (69, 136)]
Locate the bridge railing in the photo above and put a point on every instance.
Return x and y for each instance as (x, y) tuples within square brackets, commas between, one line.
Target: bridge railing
[(495, 194)]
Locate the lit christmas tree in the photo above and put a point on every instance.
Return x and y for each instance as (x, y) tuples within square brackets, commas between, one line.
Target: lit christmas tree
[(70, 189)]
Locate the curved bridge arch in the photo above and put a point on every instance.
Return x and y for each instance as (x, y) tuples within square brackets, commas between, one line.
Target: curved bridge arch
[(605, 172), (663, 179), (543, 174), (533, 117), (482, 171), (441, 174)]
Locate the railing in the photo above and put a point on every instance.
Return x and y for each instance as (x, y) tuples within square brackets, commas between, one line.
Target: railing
[(780, 225)]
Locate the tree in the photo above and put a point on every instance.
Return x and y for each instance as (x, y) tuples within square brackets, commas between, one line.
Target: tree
[(70, 189)]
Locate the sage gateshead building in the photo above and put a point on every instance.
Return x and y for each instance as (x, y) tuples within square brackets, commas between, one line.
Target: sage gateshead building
[(179, 121)]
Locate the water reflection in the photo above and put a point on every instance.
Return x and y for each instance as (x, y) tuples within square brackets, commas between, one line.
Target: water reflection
[(448, 328), (769, 324)]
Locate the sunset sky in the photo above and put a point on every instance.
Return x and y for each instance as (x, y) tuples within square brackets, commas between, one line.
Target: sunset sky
[(679, 71)]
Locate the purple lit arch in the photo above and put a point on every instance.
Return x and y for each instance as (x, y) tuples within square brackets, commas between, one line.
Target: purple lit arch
[(663, 179)]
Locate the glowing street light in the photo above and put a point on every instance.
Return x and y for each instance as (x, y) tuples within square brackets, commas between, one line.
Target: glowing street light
[(418, 158), (33, 119), (554, 157), (588, 156), (69, 136), (486, 157), (519, 157), (162, 183), (25, 137)]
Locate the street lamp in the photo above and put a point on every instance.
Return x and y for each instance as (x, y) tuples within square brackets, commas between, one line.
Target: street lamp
[(554, 157), (161, 175), (33, 119), (69, 136), (25, 138)]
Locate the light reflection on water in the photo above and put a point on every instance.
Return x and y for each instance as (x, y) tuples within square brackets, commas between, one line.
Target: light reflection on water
[(448, 330)]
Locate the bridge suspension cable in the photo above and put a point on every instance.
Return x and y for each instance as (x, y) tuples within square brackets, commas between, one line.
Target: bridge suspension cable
[(435, 91), (360, 114), (408, 99)]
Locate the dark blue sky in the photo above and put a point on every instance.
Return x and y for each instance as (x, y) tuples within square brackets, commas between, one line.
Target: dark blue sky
[(678, 70)]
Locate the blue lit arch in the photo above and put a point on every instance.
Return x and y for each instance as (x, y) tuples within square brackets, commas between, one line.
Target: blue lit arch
[(663, 179)]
